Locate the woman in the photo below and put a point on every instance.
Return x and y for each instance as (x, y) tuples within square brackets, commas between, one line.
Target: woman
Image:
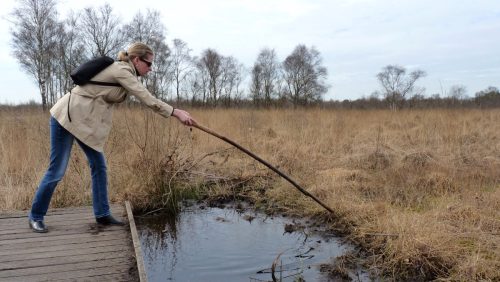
[(84, 115)]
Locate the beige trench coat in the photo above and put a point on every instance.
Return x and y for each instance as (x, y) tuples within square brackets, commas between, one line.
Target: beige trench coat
[(91, 105)]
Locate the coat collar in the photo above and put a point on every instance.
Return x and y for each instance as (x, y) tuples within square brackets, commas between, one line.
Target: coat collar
[(133, 68)]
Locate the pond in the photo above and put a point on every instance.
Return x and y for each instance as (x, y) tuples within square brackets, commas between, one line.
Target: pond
[(223, 244)]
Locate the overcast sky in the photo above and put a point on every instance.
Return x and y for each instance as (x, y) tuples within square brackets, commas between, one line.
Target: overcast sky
[(457, 42)]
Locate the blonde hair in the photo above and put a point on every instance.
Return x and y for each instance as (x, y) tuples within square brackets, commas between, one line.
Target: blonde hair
[(136, 49)]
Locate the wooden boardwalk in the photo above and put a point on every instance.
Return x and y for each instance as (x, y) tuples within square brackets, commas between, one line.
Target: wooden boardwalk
[(74, 249)]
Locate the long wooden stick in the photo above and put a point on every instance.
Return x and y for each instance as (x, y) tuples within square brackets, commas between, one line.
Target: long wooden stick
[(302, 190)]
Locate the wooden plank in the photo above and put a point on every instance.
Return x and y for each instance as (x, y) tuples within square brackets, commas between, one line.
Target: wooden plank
[(60, 247), (47, 220), (86, 273), (23, 222), (23, 227), (23, 213), (54, 218), (108, 277), (77, 238), (137, 245), (55, 238), (63, 225), (115, 209), (58, 231), (65, 267), (13, 214), (65, 253), (58, 260)]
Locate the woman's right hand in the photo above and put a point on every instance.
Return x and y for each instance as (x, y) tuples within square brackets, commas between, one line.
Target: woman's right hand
[(184, 117)]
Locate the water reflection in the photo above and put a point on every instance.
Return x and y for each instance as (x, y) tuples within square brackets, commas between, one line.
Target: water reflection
[(215, 244)]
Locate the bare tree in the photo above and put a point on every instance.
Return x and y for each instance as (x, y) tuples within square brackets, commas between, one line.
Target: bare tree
[(56, 81), (240, 74), (221, 76), (256, 84), (458, 92), (195, 86), (181, 63), (149, 30), (265, 77), (397, 85), (101, 31), (71, 52), (211, 65), (230, 79), (199, 82), (34, 36), (304, 76)]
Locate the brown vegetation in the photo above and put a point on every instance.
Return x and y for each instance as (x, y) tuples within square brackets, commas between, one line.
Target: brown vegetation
[(417, 190)]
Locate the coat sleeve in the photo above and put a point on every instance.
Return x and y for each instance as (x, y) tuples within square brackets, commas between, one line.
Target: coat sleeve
[(129, 81)]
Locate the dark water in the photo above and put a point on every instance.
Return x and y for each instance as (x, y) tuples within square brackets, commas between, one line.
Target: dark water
[(214, 244)]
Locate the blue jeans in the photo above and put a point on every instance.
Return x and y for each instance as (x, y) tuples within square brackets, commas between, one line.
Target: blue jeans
[(61, 142)]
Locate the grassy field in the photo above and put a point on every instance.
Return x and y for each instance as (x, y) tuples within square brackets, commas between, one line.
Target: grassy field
[(418, 191)]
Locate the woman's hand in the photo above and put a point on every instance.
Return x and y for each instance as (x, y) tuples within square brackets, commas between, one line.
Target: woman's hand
[(184, 117)]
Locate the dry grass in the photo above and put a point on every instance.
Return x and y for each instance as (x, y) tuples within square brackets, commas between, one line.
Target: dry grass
[(418, 190)]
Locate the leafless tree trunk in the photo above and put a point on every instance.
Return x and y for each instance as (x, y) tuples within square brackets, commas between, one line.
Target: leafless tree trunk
[(304, 76), (211, 63), (34, 38), (397, 85), (74, 49), (182, 65), (265, 77), (199, 81), (256, 88), (232, 76), (222, 76), (195, 86), (149, 30), (70, 53), (457, 94), (101, 31)]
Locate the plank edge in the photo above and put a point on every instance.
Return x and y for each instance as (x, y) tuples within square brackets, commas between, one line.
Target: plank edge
[(137, 245)]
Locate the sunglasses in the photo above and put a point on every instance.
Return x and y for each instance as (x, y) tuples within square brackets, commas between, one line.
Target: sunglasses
[(148, 63)]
